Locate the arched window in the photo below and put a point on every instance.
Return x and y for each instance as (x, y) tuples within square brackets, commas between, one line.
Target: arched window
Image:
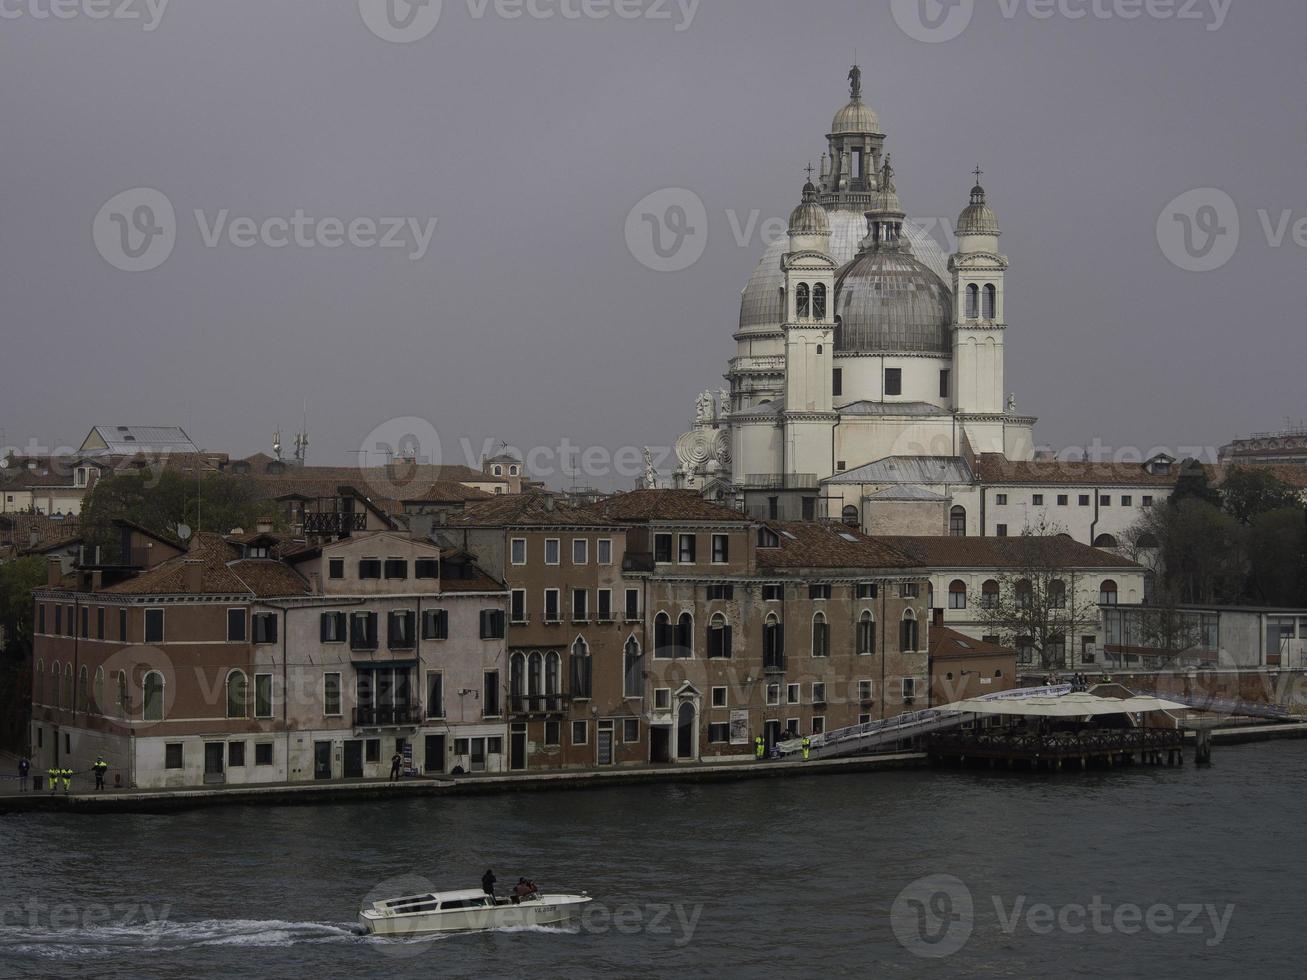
[(801, 301), (820, 636), (632, 669), (123, 704), (1024, 594), (989, 595), (98, 691), (957, 522), (38, 695), (1147, 541), (957, 594), (83, 689), (1105, 541), (719, 638), (554, 669), (512, 471), (534, 675), (68, 687), (819, 301), (152, 697), (685, 635), (1107, 593), (973, 302), (908, 635), (236, 691), (991, 302), (517, 681), (1057, 594), (773, 643), (850, 516), (866, 634), (499, 471), (581, 670), (664, 637)]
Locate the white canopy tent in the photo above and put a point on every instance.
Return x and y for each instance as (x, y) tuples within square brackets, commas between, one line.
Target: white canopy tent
[(1066, 706)]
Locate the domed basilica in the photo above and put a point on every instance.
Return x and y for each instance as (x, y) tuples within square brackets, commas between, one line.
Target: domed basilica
[(858, 339)]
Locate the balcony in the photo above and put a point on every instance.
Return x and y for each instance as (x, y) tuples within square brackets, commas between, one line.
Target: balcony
[(773, 664), (638, 561), (780, 481), (389, 716), (537, 704), (337, 524)]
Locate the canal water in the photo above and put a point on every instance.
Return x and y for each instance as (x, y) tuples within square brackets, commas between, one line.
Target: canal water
[(1141, 873)]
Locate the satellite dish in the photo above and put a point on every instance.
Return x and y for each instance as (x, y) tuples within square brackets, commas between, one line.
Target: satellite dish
[(184, 532)]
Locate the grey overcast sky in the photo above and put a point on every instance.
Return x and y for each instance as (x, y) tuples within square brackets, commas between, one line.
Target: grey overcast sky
[(531, 138)]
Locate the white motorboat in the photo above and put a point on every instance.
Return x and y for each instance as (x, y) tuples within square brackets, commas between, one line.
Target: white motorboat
[(471, 910)]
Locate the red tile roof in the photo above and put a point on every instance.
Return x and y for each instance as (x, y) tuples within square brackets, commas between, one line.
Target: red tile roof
[(810, 545), (945, 642), (527, 510), (666, 505), (1059, 551), (223, 572), (997, 468)]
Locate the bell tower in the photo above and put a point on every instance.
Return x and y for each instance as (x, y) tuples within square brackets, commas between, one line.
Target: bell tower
[(979, 324)]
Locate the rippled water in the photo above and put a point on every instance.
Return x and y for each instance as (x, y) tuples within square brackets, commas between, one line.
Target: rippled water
[(796, 877)]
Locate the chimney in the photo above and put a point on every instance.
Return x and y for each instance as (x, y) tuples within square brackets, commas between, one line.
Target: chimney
[(264, 525), (33, 538), (54, 571), (193, 576), (549, 502), (315, 583)]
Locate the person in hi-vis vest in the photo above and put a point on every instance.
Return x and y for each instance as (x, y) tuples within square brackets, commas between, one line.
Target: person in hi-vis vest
[(759, 749)]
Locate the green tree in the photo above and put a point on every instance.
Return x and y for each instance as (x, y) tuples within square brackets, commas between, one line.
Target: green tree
[(17, 580), (1276, 541), (1201, 553), (217, 502), (1249, 492), (1193, 484)]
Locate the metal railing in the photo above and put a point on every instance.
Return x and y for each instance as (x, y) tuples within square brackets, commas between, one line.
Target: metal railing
[(387, 716)]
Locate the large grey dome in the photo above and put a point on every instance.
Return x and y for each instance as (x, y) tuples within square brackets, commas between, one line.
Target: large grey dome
[(760, 303), (889, 301), (855, 118)]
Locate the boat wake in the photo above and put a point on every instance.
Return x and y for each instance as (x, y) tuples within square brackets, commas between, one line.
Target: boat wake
[(167, 936), (172, 937)]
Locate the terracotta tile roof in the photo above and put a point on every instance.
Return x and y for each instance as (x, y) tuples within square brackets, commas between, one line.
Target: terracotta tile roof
[(1060, 550), (1286, 473), (811, 545), (997, 468), (527, 510), (223, 573), (447, 492), (666, 505), (17, 530), (945, 642)]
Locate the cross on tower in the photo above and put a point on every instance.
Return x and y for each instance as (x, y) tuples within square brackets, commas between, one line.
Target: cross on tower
[(979, 173), (808, 170)]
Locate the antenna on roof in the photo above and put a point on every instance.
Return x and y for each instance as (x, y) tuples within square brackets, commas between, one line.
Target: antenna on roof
[(184, 532)]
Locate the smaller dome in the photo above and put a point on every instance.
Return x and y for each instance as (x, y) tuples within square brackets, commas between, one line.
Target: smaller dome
[(855, 118), (978, 218), (809, 218)]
